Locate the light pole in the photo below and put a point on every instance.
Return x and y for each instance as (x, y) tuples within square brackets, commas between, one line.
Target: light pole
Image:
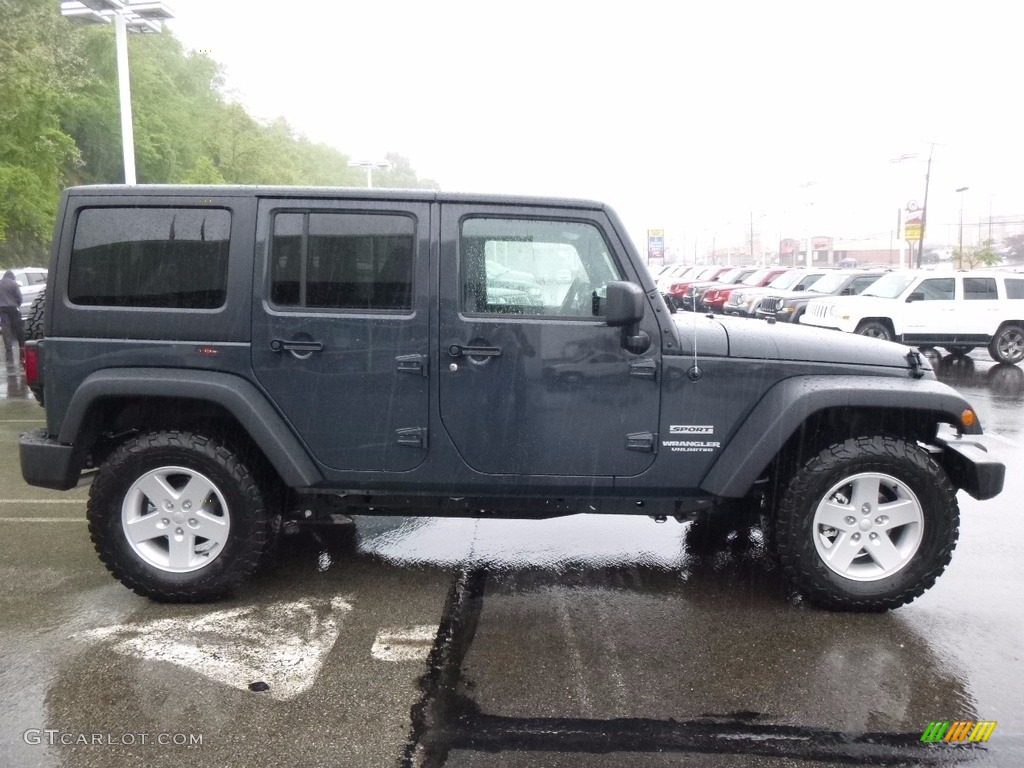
[(369, 165), (128, 16), (960, 249)]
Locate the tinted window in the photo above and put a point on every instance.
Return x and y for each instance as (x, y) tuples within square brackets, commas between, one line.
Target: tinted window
[(980, 288), (342, 261), (150, 257), (524, 267), (1014, 288)]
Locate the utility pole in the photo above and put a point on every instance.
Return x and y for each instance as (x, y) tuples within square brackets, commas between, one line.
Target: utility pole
[(924, 209), (960, 247)]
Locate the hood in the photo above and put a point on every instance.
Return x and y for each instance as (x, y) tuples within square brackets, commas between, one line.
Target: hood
[(761, 340)]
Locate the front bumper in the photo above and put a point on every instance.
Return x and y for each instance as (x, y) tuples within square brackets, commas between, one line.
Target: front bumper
[(970, 466)]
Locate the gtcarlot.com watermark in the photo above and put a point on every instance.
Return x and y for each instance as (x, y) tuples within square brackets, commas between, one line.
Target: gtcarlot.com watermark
[(54, 738)]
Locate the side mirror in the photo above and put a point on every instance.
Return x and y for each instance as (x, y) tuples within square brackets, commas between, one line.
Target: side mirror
[(915, 296), (624, 304)]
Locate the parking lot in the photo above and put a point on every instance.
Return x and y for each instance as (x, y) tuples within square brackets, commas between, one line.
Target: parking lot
[(596, 641)]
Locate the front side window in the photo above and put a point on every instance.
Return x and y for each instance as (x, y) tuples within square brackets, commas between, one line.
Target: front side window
[(342, 261), (534, 267), (150, 257), (936, 289)]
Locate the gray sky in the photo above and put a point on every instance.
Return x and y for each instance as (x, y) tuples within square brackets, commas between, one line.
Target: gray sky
[(685, 116)]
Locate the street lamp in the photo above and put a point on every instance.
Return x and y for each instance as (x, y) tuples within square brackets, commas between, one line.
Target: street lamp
[(369, 165), (960, 251), (128, 16)]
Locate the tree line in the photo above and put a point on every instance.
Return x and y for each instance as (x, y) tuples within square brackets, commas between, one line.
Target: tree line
[(60, 125)]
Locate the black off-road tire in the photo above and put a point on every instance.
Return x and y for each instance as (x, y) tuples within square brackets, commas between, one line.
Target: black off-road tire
[(36, 314), (1007, 346), (34, 330), (876, 329), (244, 506), (890, 457)]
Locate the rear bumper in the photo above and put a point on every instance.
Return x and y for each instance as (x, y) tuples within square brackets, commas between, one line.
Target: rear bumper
[(970, 466), (47, 463)]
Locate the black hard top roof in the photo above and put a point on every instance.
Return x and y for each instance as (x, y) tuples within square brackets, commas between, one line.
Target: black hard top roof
[(347, 193)]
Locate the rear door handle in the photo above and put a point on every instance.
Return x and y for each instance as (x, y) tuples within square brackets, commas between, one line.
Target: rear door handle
[(456, 350), (281, 345)]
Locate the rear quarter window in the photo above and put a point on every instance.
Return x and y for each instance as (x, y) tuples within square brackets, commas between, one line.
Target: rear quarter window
[(150, 257), (1015, 288)]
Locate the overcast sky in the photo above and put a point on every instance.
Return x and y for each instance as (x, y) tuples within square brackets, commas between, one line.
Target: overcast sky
[(686, 116)]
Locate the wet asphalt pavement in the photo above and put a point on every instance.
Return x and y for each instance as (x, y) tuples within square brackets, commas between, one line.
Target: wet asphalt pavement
[(582, 641)]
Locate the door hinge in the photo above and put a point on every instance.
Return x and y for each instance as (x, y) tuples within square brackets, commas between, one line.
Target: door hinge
[(643, 442), (644, 369), (414, 436), (414, 364)]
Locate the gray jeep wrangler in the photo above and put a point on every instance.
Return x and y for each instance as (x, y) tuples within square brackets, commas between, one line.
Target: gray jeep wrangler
[(217, 359)]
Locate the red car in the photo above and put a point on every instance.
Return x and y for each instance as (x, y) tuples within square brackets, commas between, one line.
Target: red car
[(675, 290), (714, 300)]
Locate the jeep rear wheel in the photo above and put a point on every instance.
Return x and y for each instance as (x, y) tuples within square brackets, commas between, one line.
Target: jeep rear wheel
[(875, 329), (1007, 346), (867, 524), (177, 516)]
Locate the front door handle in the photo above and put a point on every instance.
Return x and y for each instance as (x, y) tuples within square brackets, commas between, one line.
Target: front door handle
[(456, 350), (279, 345)]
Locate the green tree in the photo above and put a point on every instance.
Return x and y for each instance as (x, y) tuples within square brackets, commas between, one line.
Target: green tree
[(37, 70), (971, 258)]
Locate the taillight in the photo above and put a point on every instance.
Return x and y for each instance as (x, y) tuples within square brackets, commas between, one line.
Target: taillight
[(678, 288), (31, 360)]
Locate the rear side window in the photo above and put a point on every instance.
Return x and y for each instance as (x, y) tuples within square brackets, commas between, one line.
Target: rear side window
[(342, 261), (150, 257), (1014, 288), (980, 289)]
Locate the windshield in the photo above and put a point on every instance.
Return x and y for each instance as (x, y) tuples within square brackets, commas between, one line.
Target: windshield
[(786, 280), (829, 283), (889, 286), (731, 276), (757, 277)]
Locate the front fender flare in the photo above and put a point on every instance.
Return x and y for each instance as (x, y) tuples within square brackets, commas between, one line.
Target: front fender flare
[(239, 397), (787, 405)]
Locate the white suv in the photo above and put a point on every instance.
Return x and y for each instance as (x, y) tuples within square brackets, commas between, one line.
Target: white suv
[(954, 310)]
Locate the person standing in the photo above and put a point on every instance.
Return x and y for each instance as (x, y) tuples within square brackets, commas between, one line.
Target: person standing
[(10, 316)]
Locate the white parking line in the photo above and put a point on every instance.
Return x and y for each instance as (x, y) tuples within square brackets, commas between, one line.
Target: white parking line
[(283, 644), (42, 519), (404, 643), (42, 501)]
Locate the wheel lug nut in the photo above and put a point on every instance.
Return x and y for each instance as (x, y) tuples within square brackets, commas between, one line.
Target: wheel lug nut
[(187, 505), (881, 520), (866, 509), (168, 506), (193, 522), (856, 537), (851, 520), (165, 521)]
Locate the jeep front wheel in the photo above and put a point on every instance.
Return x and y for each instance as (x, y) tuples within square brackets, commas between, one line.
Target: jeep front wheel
[(1007, 345), (868, 524), (178, 517), (875, 329)]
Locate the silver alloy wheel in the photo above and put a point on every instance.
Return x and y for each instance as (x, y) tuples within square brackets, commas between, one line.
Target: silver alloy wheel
[(1010, 345), (175, 519), (868, 526)]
